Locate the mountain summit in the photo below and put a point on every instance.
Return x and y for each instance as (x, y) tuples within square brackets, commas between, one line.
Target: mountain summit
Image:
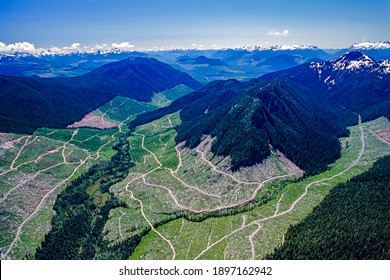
[(135, 77), (353, 61)]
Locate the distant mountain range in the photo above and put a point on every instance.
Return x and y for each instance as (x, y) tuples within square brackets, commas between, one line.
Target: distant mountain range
[(28, 103), (204, 65)]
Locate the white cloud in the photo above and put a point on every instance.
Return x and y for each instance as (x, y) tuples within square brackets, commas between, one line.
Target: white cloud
[(101, 47), (63, 50), (197, 46), (75, 46), (283, 33), (123, 46), (17, 47)]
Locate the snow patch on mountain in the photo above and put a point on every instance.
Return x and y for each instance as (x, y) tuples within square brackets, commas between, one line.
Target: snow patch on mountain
[(353, 61), (320, 68), (280, 48), (329, 81), (384, 67), (294, 47), (316, 65), (371, 46)]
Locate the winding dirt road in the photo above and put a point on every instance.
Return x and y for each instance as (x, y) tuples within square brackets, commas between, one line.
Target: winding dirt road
[(151, 225), (39, 206), (175, 200), (214, 168), (276, 214), (64, 162)]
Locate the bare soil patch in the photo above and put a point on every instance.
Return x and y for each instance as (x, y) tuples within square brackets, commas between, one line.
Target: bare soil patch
[(95, 121), (384, 134)]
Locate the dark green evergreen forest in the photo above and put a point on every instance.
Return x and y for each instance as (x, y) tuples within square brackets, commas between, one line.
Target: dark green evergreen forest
[(352, 222), (77, 227)]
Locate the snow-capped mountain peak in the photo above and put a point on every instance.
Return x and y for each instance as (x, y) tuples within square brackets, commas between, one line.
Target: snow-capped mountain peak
[(353, 61), (280, 48), (294, 47), (350, 63)]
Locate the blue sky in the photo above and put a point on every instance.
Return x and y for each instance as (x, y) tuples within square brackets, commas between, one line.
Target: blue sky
[(200, 23)]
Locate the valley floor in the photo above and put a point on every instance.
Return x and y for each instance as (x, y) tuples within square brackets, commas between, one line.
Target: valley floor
[(194, 206), (168, 179)]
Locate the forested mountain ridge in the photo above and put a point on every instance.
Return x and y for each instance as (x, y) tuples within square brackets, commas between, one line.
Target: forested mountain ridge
[(261, 119), (249, 120), (135, 77), (28, 103), (299, 111)]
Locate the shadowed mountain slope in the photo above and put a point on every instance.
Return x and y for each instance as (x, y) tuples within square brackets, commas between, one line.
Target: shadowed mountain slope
[(28, 103)]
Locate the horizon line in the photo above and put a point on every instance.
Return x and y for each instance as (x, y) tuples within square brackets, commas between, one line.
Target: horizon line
[(29, 48)]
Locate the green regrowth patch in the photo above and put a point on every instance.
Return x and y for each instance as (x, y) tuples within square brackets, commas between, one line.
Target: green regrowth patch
[(160, 139), (262, 229), (164, 98), (120, 108), (86, 138)]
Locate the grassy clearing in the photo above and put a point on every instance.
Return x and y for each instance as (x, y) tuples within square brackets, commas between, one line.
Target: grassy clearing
[(120, 108), (166, 97), (88, 139)]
